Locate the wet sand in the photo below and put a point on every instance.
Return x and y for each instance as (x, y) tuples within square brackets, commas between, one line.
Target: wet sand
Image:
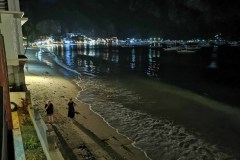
[(87, 135)]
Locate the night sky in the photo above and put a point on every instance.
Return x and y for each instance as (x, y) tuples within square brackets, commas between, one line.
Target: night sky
[(174, 19)]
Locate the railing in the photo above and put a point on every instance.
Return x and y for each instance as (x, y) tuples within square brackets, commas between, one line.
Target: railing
[(4, 83), (3, 5), (5, 109), (3, 128)]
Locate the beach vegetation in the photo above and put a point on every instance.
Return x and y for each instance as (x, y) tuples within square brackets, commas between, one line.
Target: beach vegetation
[(32, 146)]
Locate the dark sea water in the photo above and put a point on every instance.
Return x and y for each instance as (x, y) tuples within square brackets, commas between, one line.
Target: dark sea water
[(172, 106)]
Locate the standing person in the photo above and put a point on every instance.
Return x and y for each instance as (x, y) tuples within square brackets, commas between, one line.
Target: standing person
[(49, 110), (71, 109)]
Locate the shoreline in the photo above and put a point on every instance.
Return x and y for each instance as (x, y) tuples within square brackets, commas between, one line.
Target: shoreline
[(48, 84), (75, 82)]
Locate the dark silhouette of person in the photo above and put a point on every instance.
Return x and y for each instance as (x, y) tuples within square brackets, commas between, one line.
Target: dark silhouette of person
[(49, 109), (71, 109)]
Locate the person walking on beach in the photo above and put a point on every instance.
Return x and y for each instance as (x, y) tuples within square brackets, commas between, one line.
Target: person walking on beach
[(49, 109), (71, 109)]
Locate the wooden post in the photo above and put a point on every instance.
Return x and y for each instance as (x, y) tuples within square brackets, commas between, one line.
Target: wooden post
[(4, 83)]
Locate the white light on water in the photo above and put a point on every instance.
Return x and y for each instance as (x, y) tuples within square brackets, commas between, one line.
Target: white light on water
[(66, 41), (92, 42), (89, 42)]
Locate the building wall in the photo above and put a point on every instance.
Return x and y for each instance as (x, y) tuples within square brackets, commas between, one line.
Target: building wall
[(7, 28), (13, 5), (12, 47), (11, 29)]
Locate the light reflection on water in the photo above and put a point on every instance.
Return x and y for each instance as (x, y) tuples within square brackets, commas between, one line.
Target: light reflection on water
[(133, 60), (124, 108)]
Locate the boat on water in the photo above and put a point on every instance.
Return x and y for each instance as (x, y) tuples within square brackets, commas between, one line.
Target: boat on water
[(185, 51), (126, 46), (173, 49), (183, 48)]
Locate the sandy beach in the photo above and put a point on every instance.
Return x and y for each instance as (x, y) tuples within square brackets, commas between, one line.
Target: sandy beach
[(85, 136)]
